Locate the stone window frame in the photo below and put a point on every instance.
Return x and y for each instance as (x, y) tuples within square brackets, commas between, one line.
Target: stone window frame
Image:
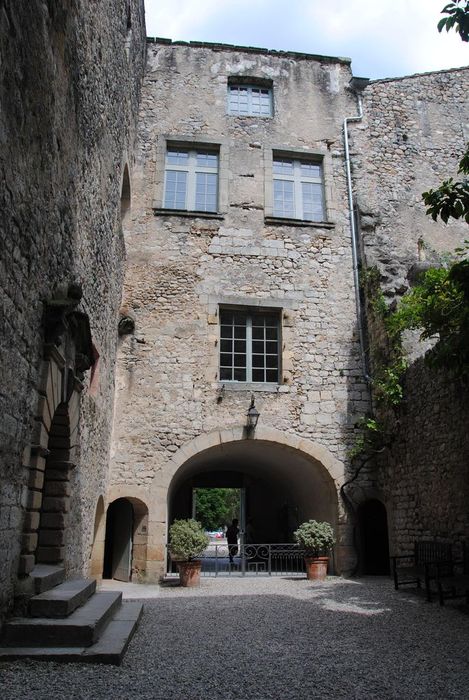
[(249, 340), (250, 83), (192, 143), (319, 155), (286, 309)]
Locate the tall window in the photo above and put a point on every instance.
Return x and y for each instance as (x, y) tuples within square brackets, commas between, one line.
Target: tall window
[(249, 346), (250, 100), (298, 189), (191, 179)]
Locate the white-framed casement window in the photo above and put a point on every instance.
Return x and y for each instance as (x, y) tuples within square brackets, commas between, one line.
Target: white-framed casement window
[(249, 345), (249, 100), (191, 179), (298, 189)]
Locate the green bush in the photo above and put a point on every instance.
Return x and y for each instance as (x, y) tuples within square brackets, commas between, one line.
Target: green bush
[(187, 539), (316, 537)]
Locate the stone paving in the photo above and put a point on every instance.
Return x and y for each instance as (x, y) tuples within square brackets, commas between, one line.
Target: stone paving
[(256, 639)]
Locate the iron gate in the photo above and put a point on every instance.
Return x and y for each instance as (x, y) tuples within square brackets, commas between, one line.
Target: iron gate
[(250, 560)]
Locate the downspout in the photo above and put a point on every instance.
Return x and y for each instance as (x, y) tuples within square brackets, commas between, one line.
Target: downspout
[(353, 231), (359, 83)]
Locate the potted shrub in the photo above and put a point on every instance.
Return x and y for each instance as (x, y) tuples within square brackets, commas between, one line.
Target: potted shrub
[(187, 540), (317, 539)]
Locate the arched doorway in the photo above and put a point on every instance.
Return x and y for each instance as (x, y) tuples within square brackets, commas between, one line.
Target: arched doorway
[(373, 528), (125, 546), (281, 486)]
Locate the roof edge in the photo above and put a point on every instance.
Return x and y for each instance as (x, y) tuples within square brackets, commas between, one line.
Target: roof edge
[(419, 75), (216, 46)]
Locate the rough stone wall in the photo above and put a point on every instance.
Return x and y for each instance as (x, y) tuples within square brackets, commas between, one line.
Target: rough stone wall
[(412, 136), (180, 268), (70, 84), (425, 476)]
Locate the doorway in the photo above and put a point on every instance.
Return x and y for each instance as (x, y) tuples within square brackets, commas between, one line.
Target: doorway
[(126, 540), (373, 527), (119, 540)]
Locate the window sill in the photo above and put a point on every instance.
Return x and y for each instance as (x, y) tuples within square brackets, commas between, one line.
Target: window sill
[(279, 221), (268, 387), (158, 211), (251, 116)]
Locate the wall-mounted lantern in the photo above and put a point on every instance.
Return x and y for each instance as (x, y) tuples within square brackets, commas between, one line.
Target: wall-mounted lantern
[(252, 417)]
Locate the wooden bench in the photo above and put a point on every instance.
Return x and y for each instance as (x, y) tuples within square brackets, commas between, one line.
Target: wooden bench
[(453, 578), (421, 566)]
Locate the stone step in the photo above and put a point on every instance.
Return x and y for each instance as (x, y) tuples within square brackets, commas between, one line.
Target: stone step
[(109, 649), (62, 600), (46, 576), (81, 628)]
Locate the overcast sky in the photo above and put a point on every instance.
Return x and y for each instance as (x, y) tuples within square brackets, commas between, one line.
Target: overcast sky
[(384, 38)]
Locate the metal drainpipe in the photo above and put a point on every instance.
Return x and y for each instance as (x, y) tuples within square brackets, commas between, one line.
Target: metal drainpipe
[(353, 231), (358, 305)]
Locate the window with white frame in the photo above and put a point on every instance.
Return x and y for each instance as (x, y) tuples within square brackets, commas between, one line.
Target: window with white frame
[(249, 346), (298, 189), (250, 100), (191, 179)]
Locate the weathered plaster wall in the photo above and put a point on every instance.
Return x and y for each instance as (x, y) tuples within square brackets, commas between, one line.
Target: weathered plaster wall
[(412, 136), (181, 268), (70, 84)]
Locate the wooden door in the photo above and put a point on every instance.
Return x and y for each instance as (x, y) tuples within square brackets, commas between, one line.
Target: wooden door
[(122, 535)]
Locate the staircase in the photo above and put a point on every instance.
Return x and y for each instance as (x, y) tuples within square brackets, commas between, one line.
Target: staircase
[(70, 621)]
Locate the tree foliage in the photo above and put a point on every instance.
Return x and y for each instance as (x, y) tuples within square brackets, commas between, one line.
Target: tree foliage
[(439, 307), (451, 199), (216, 506), (458, 18)]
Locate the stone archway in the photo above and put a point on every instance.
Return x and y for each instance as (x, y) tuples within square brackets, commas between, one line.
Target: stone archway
[(299, 472), (220, 437)]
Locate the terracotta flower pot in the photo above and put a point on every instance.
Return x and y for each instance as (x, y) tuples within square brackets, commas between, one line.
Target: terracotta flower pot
[(316, 568), (189, 572)]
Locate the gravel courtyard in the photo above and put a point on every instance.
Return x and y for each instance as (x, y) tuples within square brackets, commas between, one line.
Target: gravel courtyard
[(271, 638)]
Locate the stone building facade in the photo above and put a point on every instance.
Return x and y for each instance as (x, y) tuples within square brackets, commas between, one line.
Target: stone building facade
[(180, 411), (179, 421), (71, 76)]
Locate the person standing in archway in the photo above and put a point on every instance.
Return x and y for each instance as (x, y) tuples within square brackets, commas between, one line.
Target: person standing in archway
[(232, 532)]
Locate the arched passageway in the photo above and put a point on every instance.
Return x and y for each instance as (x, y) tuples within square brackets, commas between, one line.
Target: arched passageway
[(374, 539), (125, 546), (280, 486)]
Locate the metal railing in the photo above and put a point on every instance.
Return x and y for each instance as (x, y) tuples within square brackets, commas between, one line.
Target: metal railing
[(250, 560)]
